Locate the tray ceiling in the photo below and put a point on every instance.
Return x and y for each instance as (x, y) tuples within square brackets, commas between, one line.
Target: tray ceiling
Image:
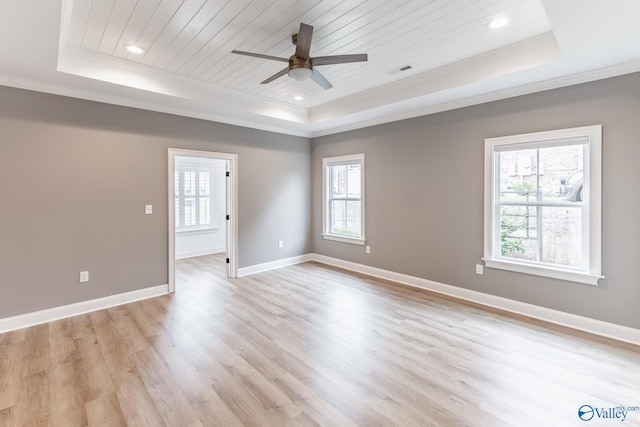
[(451, 56)]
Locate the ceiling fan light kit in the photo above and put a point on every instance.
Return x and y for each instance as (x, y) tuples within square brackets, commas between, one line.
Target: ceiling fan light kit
[(300, 74), (301, 65), (300, 69)]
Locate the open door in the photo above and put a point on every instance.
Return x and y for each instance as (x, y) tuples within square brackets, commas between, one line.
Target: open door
[(230, 208)]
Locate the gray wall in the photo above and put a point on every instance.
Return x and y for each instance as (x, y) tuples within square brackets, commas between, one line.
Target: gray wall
[(75, 176), (424, 195)]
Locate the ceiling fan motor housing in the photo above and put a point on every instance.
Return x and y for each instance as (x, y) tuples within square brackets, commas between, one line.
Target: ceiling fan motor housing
[(300, 68)]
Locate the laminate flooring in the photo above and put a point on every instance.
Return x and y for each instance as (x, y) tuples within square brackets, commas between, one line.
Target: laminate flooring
[(309, 345)]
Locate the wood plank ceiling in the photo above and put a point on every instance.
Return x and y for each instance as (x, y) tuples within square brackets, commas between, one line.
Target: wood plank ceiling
[(194, 38)]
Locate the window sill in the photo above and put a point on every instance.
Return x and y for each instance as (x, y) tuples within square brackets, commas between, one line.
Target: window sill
[(555, 273), (343, 239)]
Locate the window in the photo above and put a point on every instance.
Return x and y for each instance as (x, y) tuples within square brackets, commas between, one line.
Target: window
[(542, 203), (193, 197), (343, 195)]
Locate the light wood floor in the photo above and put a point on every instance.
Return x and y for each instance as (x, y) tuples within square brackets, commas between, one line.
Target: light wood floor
[(307, 346)]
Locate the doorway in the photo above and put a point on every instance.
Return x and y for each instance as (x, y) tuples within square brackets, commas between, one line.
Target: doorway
[(202, 220)]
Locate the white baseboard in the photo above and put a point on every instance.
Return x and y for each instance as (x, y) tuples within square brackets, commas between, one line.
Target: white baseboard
[(49, 315), (597, 327), (581, 323), (202, 252), (259, 268)]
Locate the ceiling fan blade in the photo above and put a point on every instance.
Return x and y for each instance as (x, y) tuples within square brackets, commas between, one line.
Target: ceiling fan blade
[(275, 76), (259, 55), (339, 59), (321, 80), (303, 45)]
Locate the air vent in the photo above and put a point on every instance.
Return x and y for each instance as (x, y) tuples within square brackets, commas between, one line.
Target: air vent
[(399, 70)]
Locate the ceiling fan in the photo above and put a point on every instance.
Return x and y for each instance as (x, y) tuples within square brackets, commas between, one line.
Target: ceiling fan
[(301, 65)]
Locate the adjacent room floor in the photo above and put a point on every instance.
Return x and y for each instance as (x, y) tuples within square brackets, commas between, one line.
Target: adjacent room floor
[(307, 345)]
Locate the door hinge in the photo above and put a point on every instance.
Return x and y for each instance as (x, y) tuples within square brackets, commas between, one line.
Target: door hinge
[(227, 174), (227, 260), (227, 217)]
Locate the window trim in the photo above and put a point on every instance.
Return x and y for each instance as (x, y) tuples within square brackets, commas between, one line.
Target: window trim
[(593, 135), (334, 161)]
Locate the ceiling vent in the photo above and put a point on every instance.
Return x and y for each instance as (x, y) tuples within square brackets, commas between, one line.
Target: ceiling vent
[(399, 69)]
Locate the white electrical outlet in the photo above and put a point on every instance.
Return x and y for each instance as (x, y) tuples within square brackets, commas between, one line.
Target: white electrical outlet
[(280, 243), (148, 209), (84, 276), (479, 269), (367, 249)]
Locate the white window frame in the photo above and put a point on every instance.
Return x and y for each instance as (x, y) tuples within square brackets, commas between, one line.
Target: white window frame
[(592, 214), (198, 167), (328, 162)]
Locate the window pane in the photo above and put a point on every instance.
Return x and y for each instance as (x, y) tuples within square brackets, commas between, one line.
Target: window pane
[(205, 212), (548, 174), (204, 183), (338, 211), (562, 236), (346, 218), (354, 225), (189, 212), (561, 173), (338, 180), (354, 176), (518, 180), (189, 183), (518, 232), (176, 181)]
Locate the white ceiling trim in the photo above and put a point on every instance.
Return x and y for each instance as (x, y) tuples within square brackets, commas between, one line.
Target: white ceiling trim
[(359, 122)]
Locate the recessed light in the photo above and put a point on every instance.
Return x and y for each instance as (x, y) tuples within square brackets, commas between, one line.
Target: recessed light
[(498, 22), (298, 97), (134, 49)]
